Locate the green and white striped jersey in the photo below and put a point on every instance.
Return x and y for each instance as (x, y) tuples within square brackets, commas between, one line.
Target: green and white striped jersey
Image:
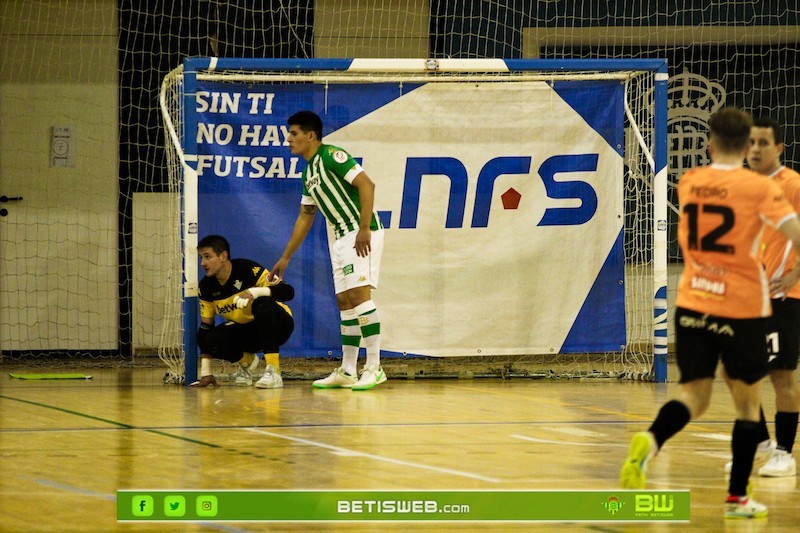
[(327, 183)]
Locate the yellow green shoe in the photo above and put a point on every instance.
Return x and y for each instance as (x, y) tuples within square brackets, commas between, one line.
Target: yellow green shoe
[(633, 472)]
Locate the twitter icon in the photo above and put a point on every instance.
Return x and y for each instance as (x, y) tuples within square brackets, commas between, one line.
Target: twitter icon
[(174, 505)]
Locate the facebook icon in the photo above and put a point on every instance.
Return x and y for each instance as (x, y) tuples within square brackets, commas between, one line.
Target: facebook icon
[(142, 505)]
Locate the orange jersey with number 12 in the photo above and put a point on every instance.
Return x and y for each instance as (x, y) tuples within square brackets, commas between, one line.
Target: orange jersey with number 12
[(724, 211), (777, 252)]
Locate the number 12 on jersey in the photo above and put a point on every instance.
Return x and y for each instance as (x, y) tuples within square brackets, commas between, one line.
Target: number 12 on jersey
[(724, 218)]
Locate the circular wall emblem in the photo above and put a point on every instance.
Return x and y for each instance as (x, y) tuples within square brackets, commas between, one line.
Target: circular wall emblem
[(60, 147)]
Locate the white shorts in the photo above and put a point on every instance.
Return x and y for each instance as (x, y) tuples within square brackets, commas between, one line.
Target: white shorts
[(350, 270)]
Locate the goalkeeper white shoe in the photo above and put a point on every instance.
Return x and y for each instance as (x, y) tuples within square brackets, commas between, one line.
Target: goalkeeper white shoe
[(271, 379), (243, 376), (339, 379), (763, 453), (371, 377)]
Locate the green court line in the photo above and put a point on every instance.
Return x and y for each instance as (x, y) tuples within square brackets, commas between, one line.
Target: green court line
[(126, 426), (49, 376)]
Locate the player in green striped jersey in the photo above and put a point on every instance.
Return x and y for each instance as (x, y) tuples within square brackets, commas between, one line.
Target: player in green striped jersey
[(337, 185)]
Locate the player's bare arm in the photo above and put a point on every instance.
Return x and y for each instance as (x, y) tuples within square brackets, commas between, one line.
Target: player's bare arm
[(366, 195), (301, 228), (790, 228)]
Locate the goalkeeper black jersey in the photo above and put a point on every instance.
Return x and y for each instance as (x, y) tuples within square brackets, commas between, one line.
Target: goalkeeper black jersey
[(216, 299)]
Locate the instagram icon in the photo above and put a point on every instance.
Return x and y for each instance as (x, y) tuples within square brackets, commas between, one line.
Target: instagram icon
[(207, 505)]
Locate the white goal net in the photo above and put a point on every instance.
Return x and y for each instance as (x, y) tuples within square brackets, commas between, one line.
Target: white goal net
[(555, 193)]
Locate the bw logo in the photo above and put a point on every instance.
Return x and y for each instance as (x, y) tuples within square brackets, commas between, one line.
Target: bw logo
[(660, 503)]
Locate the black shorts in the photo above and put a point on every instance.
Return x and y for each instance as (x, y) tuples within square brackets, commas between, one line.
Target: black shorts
[(702, 340), (230, 340), (783, 334)]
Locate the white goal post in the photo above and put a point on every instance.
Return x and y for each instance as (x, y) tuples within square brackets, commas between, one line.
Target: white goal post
[(525, 201)]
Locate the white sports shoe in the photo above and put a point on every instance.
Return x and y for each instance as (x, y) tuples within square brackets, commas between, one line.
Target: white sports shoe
[(764, 451), (271, 379), (781, 464), (744, 507), (243, 376), (371, 377), (339, 379)]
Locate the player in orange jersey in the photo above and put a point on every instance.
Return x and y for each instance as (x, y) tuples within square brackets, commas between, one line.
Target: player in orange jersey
[(723, 302), (783, 334)]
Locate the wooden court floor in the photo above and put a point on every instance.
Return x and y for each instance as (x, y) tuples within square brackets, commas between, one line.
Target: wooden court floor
[(67, 446)]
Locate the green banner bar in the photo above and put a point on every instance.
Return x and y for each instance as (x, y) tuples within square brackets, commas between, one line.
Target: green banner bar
[(425, 506)]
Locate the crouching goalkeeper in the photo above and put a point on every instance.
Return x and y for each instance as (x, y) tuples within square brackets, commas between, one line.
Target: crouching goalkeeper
[(256, 315)]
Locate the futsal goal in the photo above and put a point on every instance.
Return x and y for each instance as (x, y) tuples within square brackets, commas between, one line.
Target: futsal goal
[(524, 203)]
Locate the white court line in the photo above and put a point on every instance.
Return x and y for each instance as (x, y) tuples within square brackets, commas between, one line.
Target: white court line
[(721, 437), (715, 436), (715, 455), (353, 453), (578, 432), (570, 442)]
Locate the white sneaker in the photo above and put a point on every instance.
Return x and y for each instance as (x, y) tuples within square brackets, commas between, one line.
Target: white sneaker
[(744, 507), (371, 377), (781, 464), (271, 379), (243, 376), (763, 452), (339, 379)]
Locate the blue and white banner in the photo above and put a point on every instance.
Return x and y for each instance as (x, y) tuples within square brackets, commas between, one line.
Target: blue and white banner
[(503, 204)]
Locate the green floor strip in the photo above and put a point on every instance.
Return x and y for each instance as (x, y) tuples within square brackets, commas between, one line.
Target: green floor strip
[(50, 376)]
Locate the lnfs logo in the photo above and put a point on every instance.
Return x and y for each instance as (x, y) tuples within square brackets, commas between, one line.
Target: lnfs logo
[(456, 172)]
